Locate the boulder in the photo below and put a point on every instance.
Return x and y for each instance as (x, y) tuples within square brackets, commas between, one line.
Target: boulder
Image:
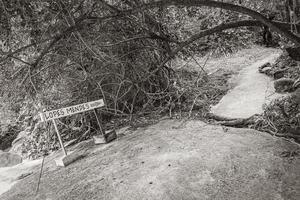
[(8, 159)]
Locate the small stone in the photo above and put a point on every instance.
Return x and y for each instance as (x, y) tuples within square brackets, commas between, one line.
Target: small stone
[(151, 183), (265, 68)]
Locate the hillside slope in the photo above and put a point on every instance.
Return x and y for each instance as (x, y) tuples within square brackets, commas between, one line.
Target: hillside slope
[(175, 160)]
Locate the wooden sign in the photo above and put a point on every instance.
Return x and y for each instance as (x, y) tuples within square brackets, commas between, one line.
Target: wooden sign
[(63, 112)]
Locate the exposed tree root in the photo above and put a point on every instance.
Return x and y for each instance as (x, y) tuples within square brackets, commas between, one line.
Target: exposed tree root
[(232, 122), (246, 122)]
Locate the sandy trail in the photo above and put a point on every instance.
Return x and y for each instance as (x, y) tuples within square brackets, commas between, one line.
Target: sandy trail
[(252, 90), (233, 63)]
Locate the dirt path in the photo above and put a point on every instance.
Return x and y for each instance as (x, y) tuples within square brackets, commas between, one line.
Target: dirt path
[(174, 160), (252, 90), (233, 63)]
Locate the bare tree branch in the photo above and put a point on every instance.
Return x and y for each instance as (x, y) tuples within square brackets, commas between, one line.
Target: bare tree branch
[(208, 3), (202, 34)]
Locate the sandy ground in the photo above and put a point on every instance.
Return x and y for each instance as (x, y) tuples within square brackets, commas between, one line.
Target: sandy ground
[(10, 175), (176, 160), (251, 91), (234, 62)]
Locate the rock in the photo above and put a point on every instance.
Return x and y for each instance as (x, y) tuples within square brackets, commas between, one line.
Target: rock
[(265, 68), (279, 74), (284, 85), (9, 159)]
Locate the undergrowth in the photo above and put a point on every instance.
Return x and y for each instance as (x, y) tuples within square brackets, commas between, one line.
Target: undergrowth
[(282, 116), (189, 95)]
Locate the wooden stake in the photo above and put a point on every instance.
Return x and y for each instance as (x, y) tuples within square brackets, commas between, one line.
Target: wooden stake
[(40, 176), (99, 123), (59, 137)]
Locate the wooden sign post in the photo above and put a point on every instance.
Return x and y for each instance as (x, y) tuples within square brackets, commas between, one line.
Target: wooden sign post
[(63, 112), (105, 136), (59, 137), (99, 124)]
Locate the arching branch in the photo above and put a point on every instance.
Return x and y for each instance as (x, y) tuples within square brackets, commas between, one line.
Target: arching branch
[(217, 4), (204, 33), (211, 31)]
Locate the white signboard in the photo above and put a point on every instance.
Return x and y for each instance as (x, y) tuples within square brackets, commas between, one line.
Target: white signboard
[(55, 114)]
